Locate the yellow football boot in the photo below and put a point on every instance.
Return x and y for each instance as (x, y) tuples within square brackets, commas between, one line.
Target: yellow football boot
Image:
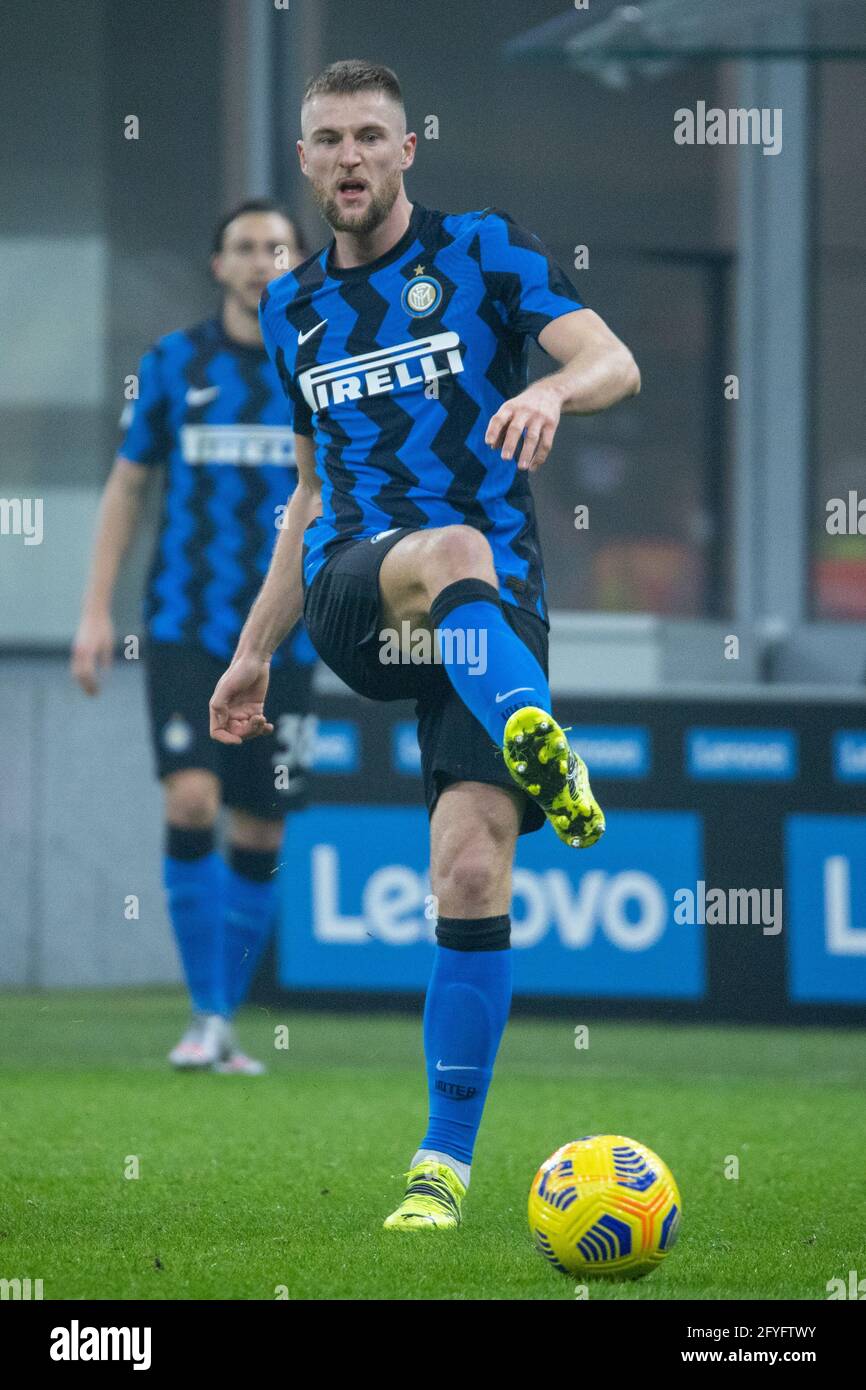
[(433, 1197), (543, 765)]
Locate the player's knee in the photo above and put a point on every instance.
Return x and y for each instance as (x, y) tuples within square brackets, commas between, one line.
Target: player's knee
[(471, 876), (191, 800), (457, 552)]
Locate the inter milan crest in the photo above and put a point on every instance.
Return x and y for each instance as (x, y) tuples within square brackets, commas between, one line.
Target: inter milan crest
[(422, 295), (177, 734)]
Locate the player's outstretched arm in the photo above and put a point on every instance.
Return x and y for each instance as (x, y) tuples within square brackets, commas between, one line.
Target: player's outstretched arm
[(598, 371), (237, 705), (119, 514)]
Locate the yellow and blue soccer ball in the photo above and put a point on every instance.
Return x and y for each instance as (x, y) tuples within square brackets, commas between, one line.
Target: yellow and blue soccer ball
[(604, 1207)]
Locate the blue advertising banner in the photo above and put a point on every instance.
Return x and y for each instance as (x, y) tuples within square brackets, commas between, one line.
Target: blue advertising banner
[(337, 747), (747, 812), (359, 913), (849, 755), (826, 917), (742, 755), (612, 750)]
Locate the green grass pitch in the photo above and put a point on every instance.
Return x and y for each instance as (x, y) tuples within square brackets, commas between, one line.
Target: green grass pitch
[(247, 1185)]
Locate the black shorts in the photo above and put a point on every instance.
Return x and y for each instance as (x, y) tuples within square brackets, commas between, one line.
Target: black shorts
[(266, 776), (342, 617)]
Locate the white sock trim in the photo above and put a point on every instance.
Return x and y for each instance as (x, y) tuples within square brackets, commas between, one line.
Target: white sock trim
[(462, 1170)]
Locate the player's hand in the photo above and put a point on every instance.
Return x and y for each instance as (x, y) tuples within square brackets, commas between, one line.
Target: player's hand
[(237, 706), (534, 415), (92, 651)]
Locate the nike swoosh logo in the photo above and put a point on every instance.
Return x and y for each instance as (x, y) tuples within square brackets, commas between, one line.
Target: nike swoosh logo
[(516, 691), (201, 397), (439, 1067), (302, 337), (382, 534)]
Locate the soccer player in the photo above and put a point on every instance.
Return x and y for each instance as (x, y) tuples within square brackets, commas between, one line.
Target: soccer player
[(402, 346), (211, 409)]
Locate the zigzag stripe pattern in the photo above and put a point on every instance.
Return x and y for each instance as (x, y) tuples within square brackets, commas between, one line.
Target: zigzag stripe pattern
[(670, 1228), (392, 452), (543, 1245), (560, 1197), (608, 1239), (632, 1169), (199, 394)]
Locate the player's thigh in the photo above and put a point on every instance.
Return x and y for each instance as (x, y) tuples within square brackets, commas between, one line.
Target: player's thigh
[(423, 563), (246, 831), (473, 832), (342, 612)]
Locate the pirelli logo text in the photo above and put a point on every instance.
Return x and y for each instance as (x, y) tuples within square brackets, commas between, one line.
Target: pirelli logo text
[(388, 369), (247, 446)]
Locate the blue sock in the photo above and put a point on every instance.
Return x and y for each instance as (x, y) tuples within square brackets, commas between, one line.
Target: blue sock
[(466, 1010), (485, 659), (193, 878), (250, 905)]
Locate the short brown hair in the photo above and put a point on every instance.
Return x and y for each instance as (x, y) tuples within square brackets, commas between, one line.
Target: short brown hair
[(254, 205), (351, 75)]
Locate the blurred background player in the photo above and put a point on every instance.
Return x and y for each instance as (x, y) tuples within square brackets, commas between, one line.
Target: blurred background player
[(211, 409), (403, 346)]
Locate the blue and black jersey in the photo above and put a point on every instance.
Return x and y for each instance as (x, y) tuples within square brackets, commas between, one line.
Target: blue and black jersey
[(396, 367), (213, 411)]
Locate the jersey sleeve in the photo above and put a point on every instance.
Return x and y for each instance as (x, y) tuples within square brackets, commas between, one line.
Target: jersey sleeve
[(302, 416), (522, 276), (146, 437)]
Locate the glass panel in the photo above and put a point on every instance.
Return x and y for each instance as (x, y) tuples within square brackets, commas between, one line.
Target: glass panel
[(606, 35), (838, 523), (648, 472)]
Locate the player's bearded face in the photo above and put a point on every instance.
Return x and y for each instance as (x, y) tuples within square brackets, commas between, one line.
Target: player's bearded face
[(381, 198), (353, 155)]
